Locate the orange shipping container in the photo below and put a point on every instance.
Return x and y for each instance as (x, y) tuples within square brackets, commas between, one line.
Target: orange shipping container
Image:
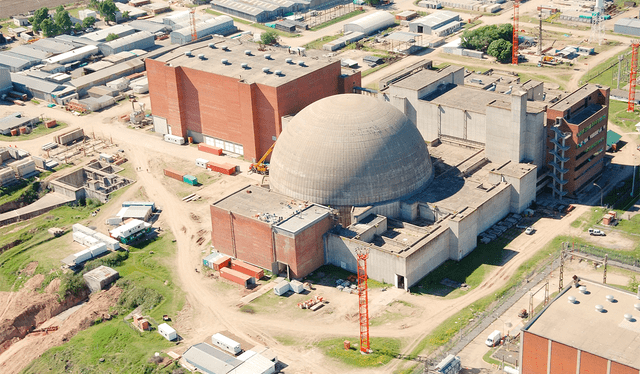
[(227, 169), (247, 269), (236, 276), (222, 262), (23, 130), (50, 124), (173, 174), (14, 132), (210, 149)]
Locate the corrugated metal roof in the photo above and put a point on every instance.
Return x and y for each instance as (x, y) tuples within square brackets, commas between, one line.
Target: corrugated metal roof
[(36, 84), (437, 18), (372, 22), (107, 72), (239, 7), (631, 22), (130, 39), (261, 4), (206, 357), (212, 26), (612, 138), (101, 35), (54, 46), (26, 50), (77, 39), (255, 364), (150, 26)]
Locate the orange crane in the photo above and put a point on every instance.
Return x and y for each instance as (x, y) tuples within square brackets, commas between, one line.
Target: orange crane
[(363, 299), (516, 25), (192, 19), (633, 75), (260, 167)]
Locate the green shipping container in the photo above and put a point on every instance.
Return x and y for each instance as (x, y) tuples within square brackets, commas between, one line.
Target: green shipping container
[(190, 179)]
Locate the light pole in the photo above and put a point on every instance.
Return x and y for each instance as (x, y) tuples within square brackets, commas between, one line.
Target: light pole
[(595, 184)]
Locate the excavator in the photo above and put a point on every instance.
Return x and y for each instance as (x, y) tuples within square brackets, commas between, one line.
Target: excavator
[(260, 167)]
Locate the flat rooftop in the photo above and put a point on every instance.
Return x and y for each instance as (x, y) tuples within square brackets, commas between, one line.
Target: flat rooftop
[(575, 97), (256, 61), (267, 206), (425, 77), (471, 99), (607, 334)]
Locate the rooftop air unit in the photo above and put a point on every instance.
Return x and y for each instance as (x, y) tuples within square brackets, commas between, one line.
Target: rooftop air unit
[(267, 57), (288, 60), (211, 45), (599, 308), (628, 317), (224, 47), (278, 72), (610, 298), (265, 70), (224, 61), (201, 56), (583, 289), (301, 63), (247, 52), (244, 65), (187, 53), (637, 306), (572, 299)]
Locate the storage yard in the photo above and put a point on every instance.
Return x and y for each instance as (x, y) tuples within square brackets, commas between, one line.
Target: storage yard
[(236, 183)]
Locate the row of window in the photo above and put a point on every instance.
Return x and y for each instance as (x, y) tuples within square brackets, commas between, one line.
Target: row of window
[(604, 117), (579, 145), (592, 146)]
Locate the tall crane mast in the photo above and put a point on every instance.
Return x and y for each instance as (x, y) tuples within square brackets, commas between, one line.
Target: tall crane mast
[(633, 75), (362, 254), (516, 25), (192, 19)]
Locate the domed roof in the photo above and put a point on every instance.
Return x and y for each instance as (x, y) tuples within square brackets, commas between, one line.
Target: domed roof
[(350, 150)]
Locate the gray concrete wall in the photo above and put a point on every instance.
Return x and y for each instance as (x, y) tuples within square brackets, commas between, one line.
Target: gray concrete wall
[(432, 253), (505, 135), (495, 209), (535, 138), (523, 189), (464, 233)]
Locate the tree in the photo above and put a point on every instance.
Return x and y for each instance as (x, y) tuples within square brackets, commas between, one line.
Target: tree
[(372, 2), (108, 10), (49, 28), (78, 26), (125, 14), (479, 39), (62, 19), (39, 16), (111, 37), (88, 22), (500, 49), (269, 37)]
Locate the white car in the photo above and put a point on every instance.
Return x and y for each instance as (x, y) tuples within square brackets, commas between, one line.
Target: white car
[(529, 231), (596, 232)]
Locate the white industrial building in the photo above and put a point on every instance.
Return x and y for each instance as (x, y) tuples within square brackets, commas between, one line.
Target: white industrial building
[(207, 359), (73, 55), (439, 23), (101, 35), (139, 40), (371, 23)]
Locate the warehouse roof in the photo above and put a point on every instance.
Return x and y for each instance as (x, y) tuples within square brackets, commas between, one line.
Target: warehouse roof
[(26, 50), (77, 39), (437, 18), (106, 73), (237, 6), (12, 122), (54, 46), (374, 21), (218, 25), (129, 39), (607, 334), (630, 22), (209, 358), (146, 25), (36, 84), (235, 56), (101, 35), (78, 53)]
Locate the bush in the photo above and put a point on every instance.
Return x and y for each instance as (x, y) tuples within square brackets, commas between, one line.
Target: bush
[(71, 284), (112, 260), (269, 37), (111, 37), (481, 38), (134, 296), (500, 49)]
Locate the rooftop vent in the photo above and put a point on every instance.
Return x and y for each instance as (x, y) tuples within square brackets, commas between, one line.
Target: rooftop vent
[(188, 53), (288, 60), (278, 72), (224, 47), (211, 45), (244, 65), (610, 298), (247, 52), (301, 63), (201, 56), (628, 317), (265, 70), (599, 308), (267, 57), (224, 61), (583, 289), (637, 306), (572, 299)]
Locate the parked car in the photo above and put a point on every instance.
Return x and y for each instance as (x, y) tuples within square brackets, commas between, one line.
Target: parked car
[(529, 231), (596, 232)]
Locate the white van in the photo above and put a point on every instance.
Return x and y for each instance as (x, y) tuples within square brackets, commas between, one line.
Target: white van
[(494, 338)]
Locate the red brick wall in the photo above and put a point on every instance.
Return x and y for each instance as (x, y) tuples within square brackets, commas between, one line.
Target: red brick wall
[(592, 364), (221, 230), (617, 368), (534, 354), (564, 359), (163, 93)]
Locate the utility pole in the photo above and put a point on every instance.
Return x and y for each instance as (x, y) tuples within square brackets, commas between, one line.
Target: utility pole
[(620, 58), (540, 35)]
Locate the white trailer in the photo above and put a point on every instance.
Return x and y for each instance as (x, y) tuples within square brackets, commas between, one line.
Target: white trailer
[(167, 331), (82, 256), (98, 249), (225, 343), (174, 139), (201, 162)]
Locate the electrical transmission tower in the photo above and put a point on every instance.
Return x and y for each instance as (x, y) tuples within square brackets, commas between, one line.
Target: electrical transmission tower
[(597, 23), (516, 25), (363, 299), (633, 75), (192, 19)]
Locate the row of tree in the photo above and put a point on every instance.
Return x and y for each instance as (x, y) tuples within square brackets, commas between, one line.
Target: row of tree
[(61, 23), (494, 40)]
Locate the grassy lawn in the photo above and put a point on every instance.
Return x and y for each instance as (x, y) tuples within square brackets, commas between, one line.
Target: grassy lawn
[(384, 349), (123, 349), (608, 77), (618, 114), (206, 179), (412, 369), (336, 20), (373, 70), (37, 132), (389, 316), (588, 219), (318, 43), (36, 244), (13, 192)]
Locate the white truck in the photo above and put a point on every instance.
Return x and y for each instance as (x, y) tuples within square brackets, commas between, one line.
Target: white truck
[(494, 338)]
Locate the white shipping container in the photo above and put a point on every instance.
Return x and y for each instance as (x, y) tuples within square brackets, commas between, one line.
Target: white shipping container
[(111, 243), (90, 241), (167, 331), (79, 237), (297, 286), (174, 139), (281, 288), (225, 343), (98, 249), (201, 162), (82, 256)]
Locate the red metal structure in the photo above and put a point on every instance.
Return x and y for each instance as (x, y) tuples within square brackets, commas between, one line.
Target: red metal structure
[(516, 28), (363, 299), (192, 17), (633, 75)]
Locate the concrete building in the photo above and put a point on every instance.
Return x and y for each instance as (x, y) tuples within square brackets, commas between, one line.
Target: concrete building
[(99, 278), (101, 35), (371, 23), (15, 121), (42, 89), (440, 23), (414, 208), (627, 26), (84, 83), (94, 181), (508, 126), (595, 332), (205, 358), (242, 96), (142, 213), (576, 140), (222, 25), (139, 40)]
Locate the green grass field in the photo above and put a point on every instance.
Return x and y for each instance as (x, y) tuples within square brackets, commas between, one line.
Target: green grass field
[(384, 350), (37, 132), (618, 115), (318, 43)]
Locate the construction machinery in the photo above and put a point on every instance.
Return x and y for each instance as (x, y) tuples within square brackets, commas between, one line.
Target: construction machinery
[(138, 117), (261, 167)]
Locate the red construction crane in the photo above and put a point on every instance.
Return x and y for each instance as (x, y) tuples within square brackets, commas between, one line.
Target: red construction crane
[(192, 18), (633, 75), (363, 299), (516, 27)]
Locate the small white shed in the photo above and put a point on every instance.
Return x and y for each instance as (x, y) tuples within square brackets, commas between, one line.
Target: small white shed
[(201, 162), (281, 288), (167, 331)]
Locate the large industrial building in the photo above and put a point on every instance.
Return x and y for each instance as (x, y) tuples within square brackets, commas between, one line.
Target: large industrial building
[(593, 330), (577, 138), (440, 23), (232, 96), (351, 171)]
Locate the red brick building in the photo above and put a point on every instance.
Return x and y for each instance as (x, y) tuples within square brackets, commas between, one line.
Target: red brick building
[(271, 230), (232, 96), (577, 138), (575, 336)]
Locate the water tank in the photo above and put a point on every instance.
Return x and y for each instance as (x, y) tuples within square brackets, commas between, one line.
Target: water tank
[(267, 57), (265, 70), (224, 61), (201, 56), (572, 299), (211, 45), (610, 298), (599, 308), (301, 63), (247, 52), (278, 72), (288, 61), (244, 65), (628, 317)]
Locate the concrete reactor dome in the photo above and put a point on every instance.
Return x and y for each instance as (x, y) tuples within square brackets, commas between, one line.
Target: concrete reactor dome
[(350, 150)]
